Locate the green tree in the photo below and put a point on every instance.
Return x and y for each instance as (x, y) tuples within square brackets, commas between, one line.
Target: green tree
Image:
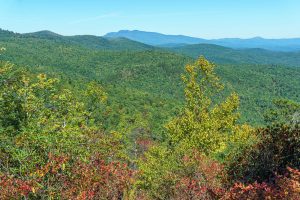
[(206, 123), (37, 117), (206, 128), (96, 97)]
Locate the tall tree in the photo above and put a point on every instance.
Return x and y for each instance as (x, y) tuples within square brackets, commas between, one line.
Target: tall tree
[(207, 121)]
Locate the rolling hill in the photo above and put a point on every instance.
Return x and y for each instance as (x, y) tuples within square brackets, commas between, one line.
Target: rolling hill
[(146, 82), (225, 55), (87, 41)]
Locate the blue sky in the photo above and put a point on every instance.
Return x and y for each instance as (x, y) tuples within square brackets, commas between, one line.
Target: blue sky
[(200, 18)]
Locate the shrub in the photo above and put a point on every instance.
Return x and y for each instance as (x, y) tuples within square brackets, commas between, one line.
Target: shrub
[(284, 187), (63, 179), (278, 148)]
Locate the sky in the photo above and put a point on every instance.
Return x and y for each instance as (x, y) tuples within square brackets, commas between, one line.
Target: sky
[(199, 18)]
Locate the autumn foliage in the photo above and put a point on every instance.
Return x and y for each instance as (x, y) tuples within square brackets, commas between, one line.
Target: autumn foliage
[(53, 146), (203, 181), (14, 188), (94, 179), (284, 187)]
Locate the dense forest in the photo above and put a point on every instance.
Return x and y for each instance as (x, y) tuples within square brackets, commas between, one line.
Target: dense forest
[(86, 117)]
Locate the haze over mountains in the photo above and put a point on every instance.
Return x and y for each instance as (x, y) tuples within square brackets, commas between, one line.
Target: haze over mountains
[(158, 39), (219, 54)]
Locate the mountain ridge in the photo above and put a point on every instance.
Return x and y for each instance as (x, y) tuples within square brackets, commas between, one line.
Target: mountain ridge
[(158, 39), (87, 41), (221, 54), (216, 53)]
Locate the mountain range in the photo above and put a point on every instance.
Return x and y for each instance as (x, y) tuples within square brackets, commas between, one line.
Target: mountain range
[(216, 53), (88, 41), (158, 39), (141, 78)]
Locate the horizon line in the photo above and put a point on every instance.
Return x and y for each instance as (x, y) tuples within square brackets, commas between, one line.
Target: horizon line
[(132, 30)]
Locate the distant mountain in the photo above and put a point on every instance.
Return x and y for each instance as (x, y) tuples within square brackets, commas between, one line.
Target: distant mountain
[(158, 39), (291, 44), (87, 41), (226, 55), (94, 42), (216, 53), (153, 38)]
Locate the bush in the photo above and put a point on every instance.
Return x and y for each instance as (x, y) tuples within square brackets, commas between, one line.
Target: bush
[(279, 147), (284, 187), (64, 179)]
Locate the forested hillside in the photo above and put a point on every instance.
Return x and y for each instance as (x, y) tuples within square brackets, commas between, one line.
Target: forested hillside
[(155, 74), (224, 55), (88, 41), (84, 117), (53, 144)]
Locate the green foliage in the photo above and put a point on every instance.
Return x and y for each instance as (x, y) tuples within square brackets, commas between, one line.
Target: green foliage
[(12, 115), (96, 97), (152, 76), (37, 117), (157, 172), (205, 127), (284, 111), (96, 129), (258, 86), (224, 55)]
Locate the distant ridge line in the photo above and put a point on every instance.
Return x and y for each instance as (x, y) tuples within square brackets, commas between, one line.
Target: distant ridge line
[(158, 39)]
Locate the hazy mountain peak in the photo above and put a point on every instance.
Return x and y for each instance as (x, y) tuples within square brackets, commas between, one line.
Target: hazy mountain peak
[(258, 38), (158, 39), (153, 38)]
